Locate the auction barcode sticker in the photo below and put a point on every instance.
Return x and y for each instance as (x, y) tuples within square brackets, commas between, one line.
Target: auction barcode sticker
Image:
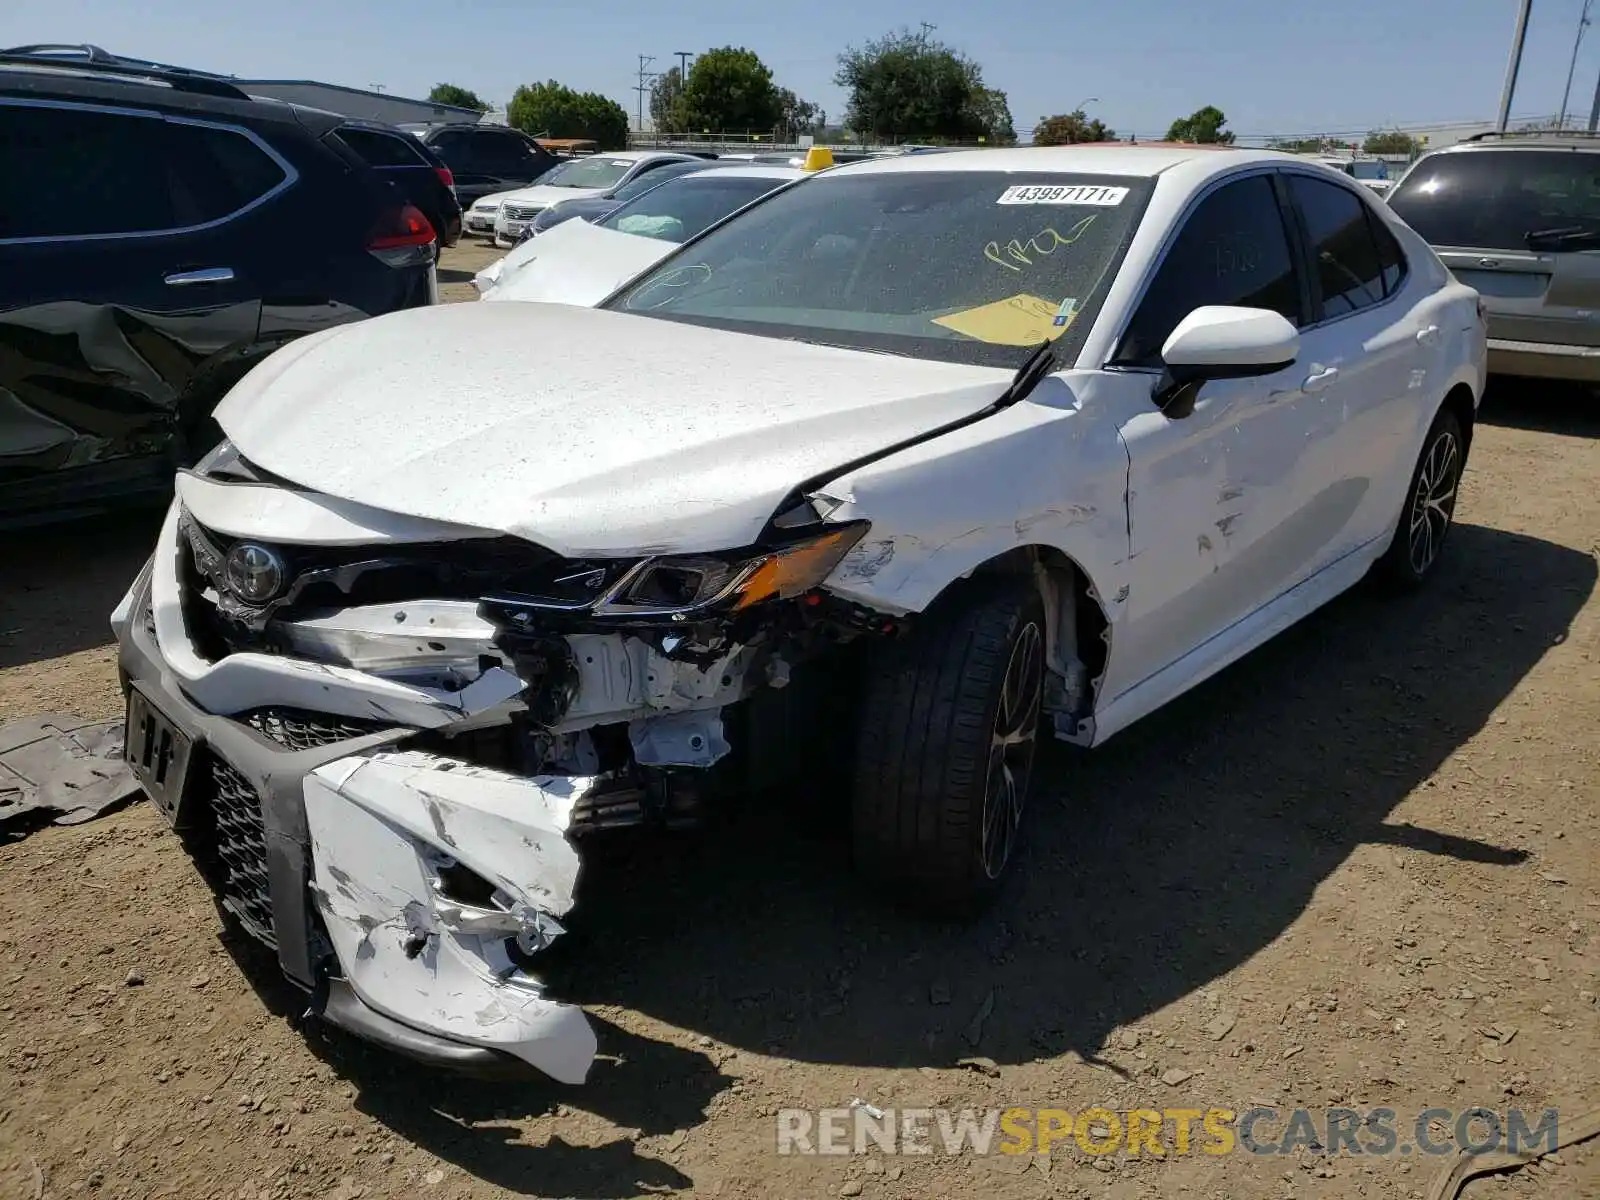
[(1102, 197)]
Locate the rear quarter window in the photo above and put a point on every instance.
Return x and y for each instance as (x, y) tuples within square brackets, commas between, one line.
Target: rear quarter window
[(379, 149), (217, 172)]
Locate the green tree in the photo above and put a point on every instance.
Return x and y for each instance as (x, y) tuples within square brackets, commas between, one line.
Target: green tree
[(731, 88), (1067, 129), (797, 116), (1203, 126), (551, 109), (1389, 141), (457, 96), (991, 113), (666, 102), (909, 85)]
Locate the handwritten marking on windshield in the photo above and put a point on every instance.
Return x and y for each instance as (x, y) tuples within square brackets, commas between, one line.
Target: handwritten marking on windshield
[(671, 283), (1043, 244)]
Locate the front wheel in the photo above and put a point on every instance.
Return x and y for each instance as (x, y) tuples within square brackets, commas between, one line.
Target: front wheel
[(949, 722), (1430, 507)]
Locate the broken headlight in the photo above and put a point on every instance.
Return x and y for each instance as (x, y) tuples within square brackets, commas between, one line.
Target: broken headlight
[(674, 584)]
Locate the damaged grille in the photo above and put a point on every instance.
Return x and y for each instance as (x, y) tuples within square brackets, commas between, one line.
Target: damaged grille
[(522, 212), (242, 850), (297, 729)]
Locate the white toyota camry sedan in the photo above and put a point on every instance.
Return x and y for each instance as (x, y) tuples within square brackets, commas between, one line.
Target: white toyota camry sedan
[(885, 478)]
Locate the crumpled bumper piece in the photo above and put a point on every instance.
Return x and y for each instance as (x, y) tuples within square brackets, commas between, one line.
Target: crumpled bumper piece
[(383, 827), (486, 279)]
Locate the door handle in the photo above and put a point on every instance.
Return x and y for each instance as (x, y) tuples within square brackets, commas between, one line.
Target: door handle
[(1428, 335), (204, 275), (1320, 380)]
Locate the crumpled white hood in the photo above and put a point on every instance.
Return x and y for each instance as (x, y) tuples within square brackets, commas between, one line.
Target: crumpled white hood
[(574, 263), (584, 430)]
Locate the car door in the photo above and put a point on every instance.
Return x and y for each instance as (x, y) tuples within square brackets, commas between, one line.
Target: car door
[(1207, 484), (1369, 354), (115, 286)]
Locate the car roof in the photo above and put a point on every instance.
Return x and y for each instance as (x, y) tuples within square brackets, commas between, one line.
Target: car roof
[(637, 155), (747, 171), (1525, 139), (79, 81), (1146, 159)]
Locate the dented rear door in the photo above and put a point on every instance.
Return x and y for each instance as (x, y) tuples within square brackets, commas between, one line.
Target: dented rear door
[(114, 290)]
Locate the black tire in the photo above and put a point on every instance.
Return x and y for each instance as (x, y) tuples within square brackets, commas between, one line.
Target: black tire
[(933, 707), (1429, 509)]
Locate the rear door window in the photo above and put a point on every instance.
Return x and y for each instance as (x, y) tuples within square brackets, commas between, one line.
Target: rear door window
[(459, 149), (503, 154), (75, 173), (1493, 199), (1346, 266)]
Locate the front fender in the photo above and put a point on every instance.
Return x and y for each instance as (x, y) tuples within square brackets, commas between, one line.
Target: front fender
[(1030, 475)]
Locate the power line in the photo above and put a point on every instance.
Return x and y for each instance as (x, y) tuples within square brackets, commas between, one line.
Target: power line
[(645, 75)]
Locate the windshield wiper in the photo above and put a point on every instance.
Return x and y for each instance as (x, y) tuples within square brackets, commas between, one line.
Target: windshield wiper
[(1040, 362), (1568, 233)]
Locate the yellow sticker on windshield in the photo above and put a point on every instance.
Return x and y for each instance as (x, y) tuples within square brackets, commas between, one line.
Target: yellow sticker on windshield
[(1020, 320)]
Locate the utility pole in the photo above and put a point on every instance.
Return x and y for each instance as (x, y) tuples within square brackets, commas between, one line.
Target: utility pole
[(683, 65), (377, 87), (645, 76), (1594, 110), (1583, 23), (1514, 65)]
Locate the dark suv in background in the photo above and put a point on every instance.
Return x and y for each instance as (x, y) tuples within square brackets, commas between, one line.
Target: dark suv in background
[(160, 234), (487, 158), (1517, 216)]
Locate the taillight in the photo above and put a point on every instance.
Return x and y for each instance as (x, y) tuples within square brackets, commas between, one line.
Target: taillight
[(404, 237), (403, 226), (446, 177)]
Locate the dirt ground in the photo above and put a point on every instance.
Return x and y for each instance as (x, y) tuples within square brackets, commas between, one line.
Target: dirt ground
[(1361, 867)]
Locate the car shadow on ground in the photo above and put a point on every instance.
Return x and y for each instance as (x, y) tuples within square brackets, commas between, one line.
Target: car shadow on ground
[(647, 1087), (1541, 406), (455, 275), (59, 583), (1155, 865)]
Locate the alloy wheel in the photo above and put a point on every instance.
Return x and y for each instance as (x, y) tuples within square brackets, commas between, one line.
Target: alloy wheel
[(1433, 504), (1011, 746)]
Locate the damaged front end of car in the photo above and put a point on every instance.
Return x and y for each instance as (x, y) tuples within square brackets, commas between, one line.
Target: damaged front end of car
[(395, 735)]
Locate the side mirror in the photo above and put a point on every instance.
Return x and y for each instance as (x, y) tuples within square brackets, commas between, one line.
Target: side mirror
[(1222, 342)]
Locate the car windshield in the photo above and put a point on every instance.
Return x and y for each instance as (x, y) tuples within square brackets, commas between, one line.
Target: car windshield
[(958, 266), (596, 172), (681, 208), (1493, 199), (1370, 169)]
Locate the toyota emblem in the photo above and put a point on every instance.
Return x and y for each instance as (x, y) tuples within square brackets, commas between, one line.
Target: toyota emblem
[(253, 572)]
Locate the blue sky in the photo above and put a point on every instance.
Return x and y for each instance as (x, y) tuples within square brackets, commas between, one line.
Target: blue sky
[(1274, 66)]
